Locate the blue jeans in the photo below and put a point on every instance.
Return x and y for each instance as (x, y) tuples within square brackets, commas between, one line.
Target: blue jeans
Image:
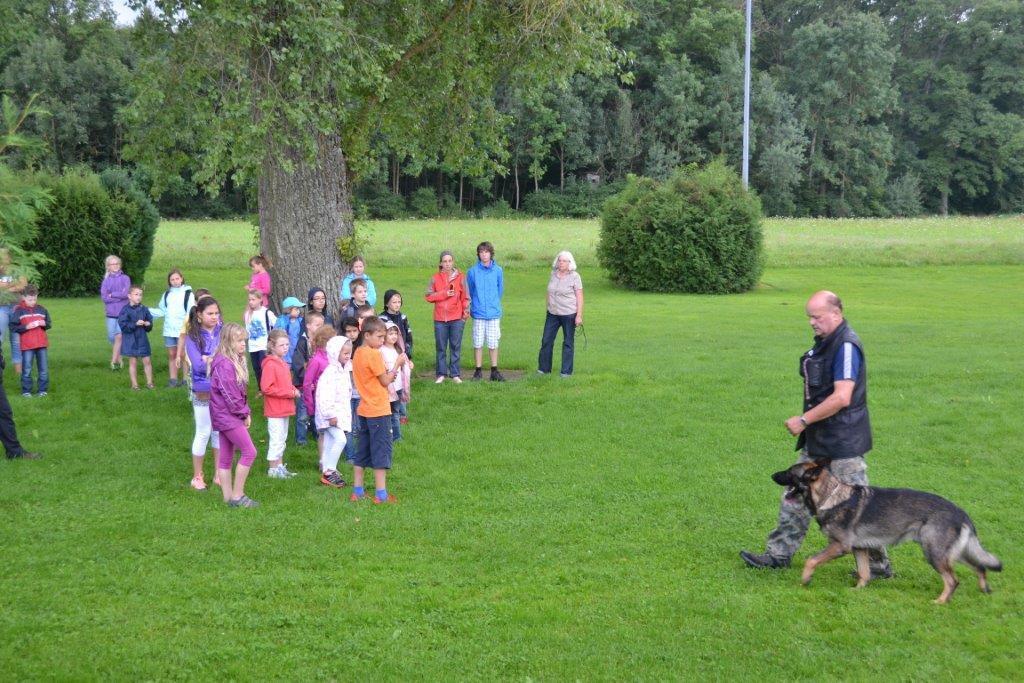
[(301, 422), (448, 336), (5, 330), (350, 444), (547, 341), (396, 426), (39, 355)]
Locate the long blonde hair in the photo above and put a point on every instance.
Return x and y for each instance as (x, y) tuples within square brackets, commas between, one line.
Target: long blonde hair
[(229, 334)]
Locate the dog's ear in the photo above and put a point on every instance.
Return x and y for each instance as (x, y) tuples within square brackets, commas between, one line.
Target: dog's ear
[(823, 462), (811, 473)]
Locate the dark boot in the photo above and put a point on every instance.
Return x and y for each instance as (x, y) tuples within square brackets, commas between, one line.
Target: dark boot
[(764, 561)]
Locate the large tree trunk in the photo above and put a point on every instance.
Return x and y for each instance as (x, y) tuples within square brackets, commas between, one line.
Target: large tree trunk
[(303, 214)]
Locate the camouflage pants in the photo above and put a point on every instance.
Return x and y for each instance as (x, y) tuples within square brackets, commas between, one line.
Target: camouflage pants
[(794, 517)]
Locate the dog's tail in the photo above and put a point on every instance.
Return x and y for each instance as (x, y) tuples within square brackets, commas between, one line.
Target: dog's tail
[(972, 552)]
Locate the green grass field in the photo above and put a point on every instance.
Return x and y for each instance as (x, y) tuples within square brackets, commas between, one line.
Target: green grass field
[(585, 529)]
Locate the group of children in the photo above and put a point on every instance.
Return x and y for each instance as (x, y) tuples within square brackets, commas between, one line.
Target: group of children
[(347, 382)]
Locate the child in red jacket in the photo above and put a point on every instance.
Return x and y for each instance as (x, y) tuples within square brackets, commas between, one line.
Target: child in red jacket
[(279, 396), (31, 321)]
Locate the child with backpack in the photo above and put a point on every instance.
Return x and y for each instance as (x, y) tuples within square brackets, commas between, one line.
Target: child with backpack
[(174, 306), (259, 321)]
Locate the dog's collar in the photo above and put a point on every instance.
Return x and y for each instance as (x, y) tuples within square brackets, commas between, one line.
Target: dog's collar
[(823, 505)]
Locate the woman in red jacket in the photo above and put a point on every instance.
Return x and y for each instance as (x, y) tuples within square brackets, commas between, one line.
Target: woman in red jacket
[(447, 291)]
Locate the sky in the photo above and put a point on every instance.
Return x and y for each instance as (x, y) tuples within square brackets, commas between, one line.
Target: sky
[(125, 16)]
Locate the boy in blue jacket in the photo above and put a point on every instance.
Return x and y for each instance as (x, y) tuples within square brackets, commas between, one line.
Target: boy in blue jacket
[(486, 285)]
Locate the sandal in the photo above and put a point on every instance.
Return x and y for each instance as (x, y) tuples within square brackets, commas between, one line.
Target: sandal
[(135, 389), (243, 502), (150, 386)]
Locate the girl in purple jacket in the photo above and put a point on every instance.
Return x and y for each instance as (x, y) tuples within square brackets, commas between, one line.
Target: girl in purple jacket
[(201, 338), (229, 413), (114, 293)]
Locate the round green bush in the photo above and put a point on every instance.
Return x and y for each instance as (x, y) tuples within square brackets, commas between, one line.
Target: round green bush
[(89, 219), (699, 231)]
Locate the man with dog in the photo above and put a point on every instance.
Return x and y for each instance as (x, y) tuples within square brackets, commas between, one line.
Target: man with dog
[(834, 424)]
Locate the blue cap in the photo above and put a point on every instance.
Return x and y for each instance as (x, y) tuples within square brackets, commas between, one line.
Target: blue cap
[(292, 302)]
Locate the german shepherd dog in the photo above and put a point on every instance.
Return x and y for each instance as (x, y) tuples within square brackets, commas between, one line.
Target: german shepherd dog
[(858, 518)]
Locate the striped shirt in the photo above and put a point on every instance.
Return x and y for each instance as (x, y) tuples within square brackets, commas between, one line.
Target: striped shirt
[(846, 364)]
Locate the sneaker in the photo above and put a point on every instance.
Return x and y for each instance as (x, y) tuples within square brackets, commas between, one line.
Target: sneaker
[(439, 380), (356, 497), (496, 376), (24, 455), (198, 484), (26, 395), (42, 393), (288, 473), (403, 420), (478, 374), (764, 561), (278, 472), (332, 478), (172, 383), (243, 502), (390, 500), (457, 380)]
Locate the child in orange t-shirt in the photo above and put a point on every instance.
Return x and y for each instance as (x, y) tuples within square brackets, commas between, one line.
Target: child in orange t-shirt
[(373, 417)]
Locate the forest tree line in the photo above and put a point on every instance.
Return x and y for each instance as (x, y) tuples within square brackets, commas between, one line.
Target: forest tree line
[(859, 108)]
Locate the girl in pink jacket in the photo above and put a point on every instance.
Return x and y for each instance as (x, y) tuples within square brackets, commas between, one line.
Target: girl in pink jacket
[(229, 413)]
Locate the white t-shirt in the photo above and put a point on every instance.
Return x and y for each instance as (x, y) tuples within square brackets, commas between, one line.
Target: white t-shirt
[(258, 325)]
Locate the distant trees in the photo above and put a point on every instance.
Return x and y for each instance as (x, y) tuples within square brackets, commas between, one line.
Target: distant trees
[(860, 107)]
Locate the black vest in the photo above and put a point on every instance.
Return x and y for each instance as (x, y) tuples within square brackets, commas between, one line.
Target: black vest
[(847, 434)]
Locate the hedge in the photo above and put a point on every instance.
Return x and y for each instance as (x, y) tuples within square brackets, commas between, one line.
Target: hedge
[(91, 217), (699, 231)]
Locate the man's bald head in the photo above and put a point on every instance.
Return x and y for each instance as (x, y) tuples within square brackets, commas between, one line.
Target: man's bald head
[(827, 298), (824, 312)]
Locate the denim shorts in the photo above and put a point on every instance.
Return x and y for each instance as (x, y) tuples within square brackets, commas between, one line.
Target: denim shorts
[(113, 329), (373, 442), (170, 342)]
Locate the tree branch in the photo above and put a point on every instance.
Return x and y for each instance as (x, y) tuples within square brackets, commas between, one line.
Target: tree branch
[(411, 53)]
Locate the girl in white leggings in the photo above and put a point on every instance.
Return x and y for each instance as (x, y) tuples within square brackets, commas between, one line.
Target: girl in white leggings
[(200, 342)]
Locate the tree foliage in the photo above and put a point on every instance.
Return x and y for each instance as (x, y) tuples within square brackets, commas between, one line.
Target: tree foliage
[(483, 101), (21, 198), (273, 77)]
